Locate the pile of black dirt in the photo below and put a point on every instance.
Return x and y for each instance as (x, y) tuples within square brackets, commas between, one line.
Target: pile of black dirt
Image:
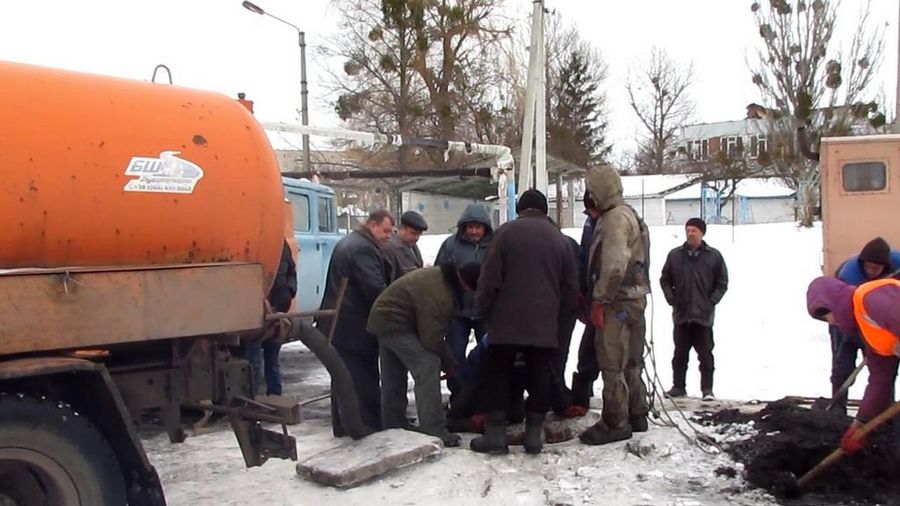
[(791, 440)]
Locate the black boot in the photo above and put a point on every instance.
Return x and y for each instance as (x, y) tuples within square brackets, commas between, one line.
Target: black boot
[(494, 439), (638, 423), (581, 390), (534, 432)]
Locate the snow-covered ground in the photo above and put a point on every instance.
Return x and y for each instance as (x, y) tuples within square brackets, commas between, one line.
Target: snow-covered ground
[(766, 347)]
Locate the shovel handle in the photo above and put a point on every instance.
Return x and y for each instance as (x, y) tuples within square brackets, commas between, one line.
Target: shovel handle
[(871, 425)]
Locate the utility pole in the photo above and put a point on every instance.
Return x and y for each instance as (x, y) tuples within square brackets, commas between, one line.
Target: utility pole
[(535, 125)]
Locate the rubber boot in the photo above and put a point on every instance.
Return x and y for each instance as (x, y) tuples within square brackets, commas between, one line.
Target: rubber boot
[(494, 439), (534, 432), (581, 391)]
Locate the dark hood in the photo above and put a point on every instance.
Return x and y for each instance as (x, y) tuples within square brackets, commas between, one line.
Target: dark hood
[(477, 213), (834, 296), (605, 186)]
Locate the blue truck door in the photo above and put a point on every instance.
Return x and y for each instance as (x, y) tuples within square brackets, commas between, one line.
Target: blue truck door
[(310, 283), (328, 232)]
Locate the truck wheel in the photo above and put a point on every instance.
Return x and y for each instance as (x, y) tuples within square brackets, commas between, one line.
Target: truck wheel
[(51, 455)]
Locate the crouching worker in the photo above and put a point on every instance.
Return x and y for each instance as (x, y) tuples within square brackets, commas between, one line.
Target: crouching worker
[(410, 319), (872, 310)]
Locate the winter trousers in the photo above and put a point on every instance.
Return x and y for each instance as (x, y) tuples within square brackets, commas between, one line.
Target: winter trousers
[(844, 349), (620, 357), (402, 354), (700, 338), (458, 341), (501, 360), (362, 363)]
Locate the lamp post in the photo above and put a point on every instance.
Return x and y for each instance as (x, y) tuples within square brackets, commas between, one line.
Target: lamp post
[(304, 109)]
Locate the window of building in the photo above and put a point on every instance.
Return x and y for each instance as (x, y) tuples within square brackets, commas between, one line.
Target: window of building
[(758, 145), (300, 211), (698, 149), (864, 176), (326, 216), (732, 146)]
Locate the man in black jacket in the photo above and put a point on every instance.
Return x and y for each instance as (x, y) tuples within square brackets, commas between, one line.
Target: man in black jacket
[(358, 258), (694, 279)]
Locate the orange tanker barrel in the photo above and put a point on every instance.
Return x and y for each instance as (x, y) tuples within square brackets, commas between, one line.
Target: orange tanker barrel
[(98, 171)]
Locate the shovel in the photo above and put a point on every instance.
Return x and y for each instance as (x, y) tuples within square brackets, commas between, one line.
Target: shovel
[(871, 425), (841, 391)]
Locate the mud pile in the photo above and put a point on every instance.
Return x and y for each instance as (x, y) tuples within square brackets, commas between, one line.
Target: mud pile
[(791, 440)]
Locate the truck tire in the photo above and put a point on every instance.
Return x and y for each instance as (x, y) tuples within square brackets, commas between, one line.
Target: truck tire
[(49, 455)]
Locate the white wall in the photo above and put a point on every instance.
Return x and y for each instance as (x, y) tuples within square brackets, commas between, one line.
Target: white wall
[(760, 210), (440, 211), (652, 210)]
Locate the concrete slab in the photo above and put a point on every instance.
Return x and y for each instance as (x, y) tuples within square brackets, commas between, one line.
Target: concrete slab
[(355, 462)]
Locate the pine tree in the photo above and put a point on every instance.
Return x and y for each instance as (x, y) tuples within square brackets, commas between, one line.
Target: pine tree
[(577, 123)]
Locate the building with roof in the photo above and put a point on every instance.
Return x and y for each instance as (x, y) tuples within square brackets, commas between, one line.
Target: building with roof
[(755, 200)]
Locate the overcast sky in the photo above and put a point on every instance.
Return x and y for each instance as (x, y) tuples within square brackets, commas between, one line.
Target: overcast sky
[(218, 45)]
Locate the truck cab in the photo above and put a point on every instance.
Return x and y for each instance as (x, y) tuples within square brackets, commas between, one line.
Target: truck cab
[(860, 184), (316, 233)]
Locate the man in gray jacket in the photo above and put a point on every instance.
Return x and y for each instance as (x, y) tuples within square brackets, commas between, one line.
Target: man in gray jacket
[(468, 245)]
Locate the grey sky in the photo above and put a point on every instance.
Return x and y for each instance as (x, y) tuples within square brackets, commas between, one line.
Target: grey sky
[(218, 45)]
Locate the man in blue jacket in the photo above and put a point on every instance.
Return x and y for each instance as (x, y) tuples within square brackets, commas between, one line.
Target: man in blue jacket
[(876, 260)]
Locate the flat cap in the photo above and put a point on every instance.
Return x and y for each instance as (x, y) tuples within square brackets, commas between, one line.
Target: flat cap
[(414, 220)]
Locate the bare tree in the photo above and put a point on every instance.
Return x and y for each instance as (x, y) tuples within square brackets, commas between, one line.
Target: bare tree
[(417, 67), (801, 71), (658, 95)]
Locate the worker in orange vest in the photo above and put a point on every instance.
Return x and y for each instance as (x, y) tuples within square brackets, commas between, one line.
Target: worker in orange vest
[(873, 310)]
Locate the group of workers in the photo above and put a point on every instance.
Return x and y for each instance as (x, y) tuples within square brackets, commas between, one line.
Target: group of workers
[(519, 290)]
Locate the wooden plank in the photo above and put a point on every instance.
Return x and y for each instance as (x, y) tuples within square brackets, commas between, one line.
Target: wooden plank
[(76, 309)]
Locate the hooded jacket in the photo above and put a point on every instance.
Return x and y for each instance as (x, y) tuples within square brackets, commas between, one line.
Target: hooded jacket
[(420, 303), (882, 306), (461, 251), (618, 254)]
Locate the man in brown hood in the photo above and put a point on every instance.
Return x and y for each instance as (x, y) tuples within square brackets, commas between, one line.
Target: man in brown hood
[(618, 277)]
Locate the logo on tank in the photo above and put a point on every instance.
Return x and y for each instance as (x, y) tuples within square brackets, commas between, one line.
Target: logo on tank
[(166, 174)]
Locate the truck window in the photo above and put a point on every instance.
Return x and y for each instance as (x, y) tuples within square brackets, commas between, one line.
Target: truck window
[(300, 210), (326, 215), (864, 176)]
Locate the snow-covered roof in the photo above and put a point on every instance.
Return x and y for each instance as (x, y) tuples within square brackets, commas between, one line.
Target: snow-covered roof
[(757, 187), (725, 128), (635, 186)]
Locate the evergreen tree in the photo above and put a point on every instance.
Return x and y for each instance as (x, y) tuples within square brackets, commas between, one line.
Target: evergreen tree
[(577, 124)]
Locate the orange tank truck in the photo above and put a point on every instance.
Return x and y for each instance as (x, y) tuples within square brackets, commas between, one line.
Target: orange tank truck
[(100, 171), (142, 225)]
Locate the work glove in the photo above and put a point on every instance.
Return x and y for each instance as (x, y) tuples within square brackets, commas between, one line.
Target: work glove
[(582, 308), (597, 315), (850, 443)]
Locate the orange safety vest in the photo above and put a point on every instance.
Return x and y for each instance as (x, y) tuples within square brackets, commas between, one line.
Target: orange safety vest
[(880, 339)]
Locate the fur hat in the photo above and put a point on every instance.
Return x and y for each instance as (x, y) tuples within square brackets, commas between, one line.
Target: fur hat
[(696, 222)]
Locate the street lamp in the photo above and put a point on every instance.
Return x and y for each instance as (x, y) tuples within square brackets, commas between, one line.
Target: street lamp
[(304, 109)]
